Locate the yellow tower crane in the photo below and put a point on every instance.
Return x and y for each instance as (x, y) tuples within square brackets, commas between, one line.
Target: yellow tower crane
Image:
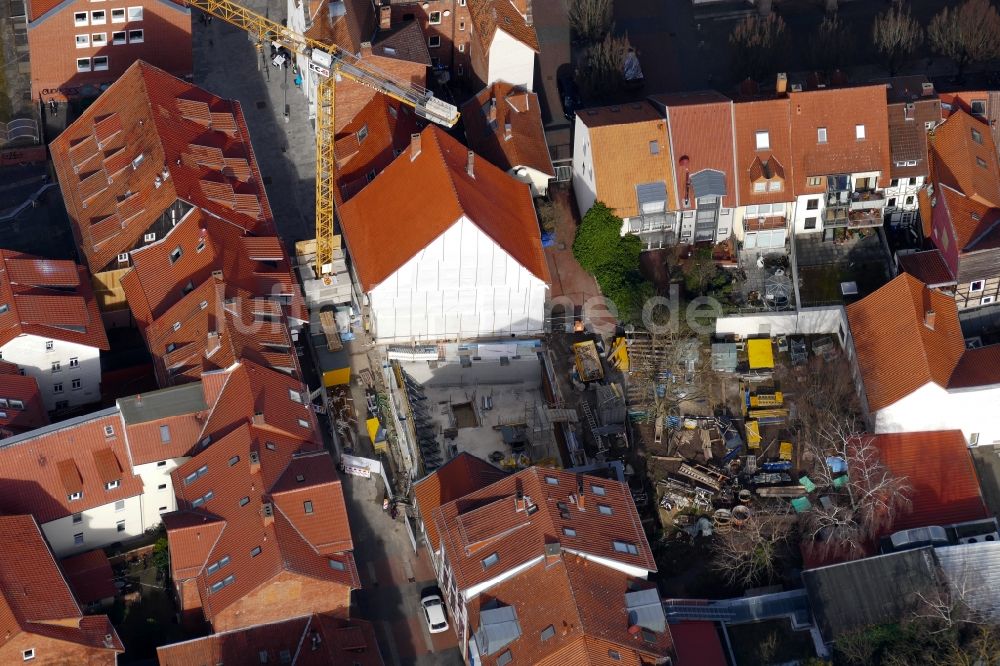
[(331, 63)]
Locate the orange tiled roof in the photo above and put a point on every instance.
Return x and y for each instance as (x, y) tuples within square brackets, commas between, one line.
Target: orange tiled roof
[(435, 188), (44, 467), (620, 144), (458, 477), (897, 352), (839, 110), (386, 126), (35, 599), (15, 386), (49, 298), (701, 129), (583, 601), (977, 367), (89, 575), (771, 116), (488, 16), (487, 116), (938, 468), (224, 481), (317, 640), (489, 521), (148, 141)]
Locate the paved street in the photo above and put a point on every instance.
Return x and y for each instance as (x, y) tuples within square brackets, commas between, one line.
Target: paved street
[(226, 63)]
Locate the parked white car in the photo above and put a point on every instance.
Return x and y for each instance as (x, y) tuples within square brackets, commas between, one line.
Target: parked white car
[(434, 613)]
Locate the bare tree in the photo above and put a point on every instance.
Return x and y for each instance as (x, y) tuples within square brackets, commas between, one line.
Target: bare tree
[(967, 33), (756, 42), (860, 509), (591, 20), (603, 72), (896, 34), (750, 553), (832, 40)]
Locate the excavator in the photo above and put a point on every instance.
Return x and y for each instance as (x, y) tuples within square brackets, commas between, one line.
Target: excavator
[(332, 64)]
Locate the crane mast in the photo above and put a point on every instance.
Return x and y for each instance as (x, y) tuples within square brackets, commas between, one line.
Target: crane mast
[(331, 63)]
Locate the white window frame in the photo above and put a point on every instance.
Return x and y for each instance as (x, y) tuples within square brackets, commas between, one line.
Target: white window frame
[(57, 387), (142, 36), (102, 68), (76, 384), (111, 485), (99, 39), (83, 41), (134, 14), (150, 237), (81, 67), (28, 655), (760, 187), (80, 541), (774, 186), (119, 41), (118, 15), (762, 139), (859, 132), (79, 22), (98, 21), (972, 286), (461, 48), (821, 135), (430, 18), (986, 300)]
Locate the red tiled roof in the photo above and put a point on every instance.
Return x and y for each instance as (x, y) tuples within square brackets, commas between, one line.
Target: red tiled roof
[(42, 467), (966, 174), (15, 386), (487, 521), (192, 535), (458, 477), (939, 470), (488, 16), (977, 367), (839, 110), (388, 125), (49, 298), (435, 188), (620, 139), (771, 116), (223, 480), (168, 128), (583, 601), (312, 478), (35, 599), (701, 129), (90, 576), (953, 102), (309, 641), (487, 116), (929, 267), (697, 644), (897, 352)]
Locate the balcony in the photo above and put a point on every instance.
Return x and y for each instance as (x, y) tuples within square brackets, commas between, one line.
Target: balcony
[(866, 200), (842, 218)]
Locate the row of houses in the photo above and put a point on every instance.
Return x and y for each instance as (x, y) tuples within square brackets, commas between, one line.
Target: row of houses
[(699, 167)]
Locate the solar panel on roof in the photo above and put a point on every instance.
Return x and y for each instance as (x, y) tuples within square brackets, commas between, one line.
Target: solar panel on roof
[(498, 627), (645, 610)]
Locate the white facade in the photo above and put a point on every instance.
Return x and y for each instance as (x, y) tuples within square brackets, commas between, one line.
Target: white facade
[(901, 194), (750, 222), (511, 60), (584, 183), (462, 285), (973, 411), (803, 218), (296, 12), (97, 527), (157, 489), (68, 373)]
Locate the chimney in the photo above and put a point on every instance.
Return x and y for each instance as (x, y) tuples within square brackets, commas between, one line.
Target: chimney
[(414, 146), (212, 343), (258, 418), (553, 553), (519, 500), (782, 84), (508, 132), (267, 511), (138, 400), (581, 498), (470, 164), (254, 462), (385, 15), (929, 317)]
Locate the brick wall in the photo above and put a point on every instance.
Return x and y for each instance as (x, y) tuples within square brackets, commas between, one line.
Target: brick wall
[(453, 30), (166, 43), (284, 596), (51, 651)]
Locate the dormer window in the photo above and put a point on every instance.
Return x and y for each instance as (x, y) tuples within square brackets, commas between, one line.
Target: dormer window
[(111, 485), (72, 497)]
